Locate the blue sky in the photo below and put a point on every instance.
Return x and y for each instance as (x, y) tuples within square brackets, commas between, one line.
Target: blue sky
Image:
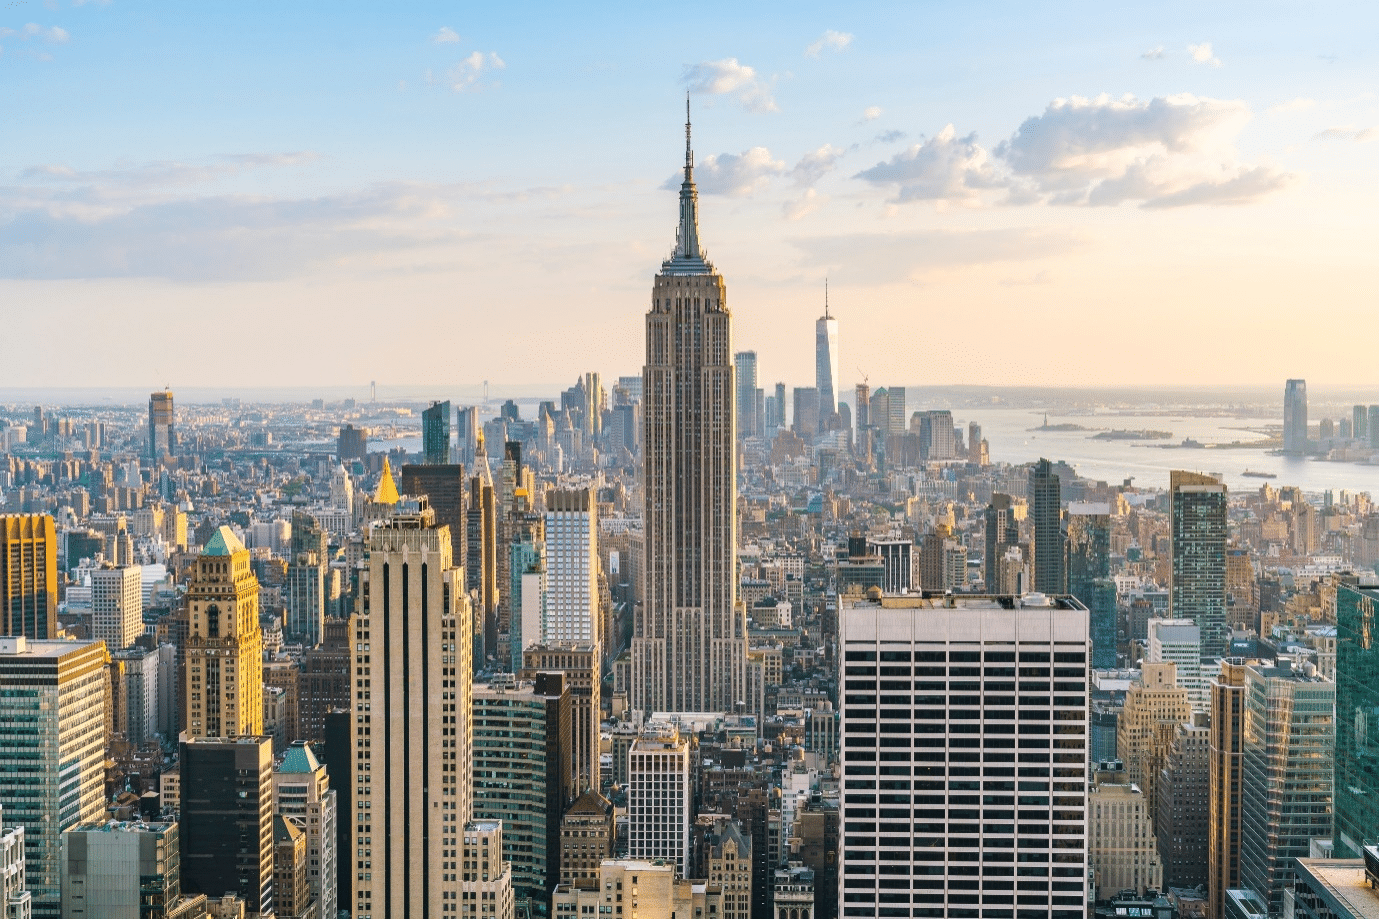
[(443, 193)]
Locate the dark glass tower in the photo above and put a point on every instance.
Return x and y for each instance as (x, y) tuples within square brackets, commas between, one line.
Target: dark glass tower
[(1357, 718), (1046, 510), (435, 434), (1089, 576), (1197, 578)]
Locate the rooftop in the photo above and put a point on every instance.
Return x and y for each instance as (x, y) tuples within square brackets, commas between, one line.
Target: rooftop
[(223, 542), (1344, 880)]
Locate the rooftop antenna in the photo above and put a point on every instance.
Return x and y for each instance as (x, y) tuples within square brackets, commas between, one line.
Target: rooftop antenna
[(825, 297), (689, 152)]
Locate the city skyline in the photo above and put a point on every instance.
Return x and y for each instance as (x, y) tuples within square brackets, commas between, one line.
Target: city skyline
[(915, 181)]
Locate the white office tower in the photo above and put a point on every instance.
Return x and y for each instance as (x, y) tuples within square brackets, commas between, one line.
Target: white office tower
[(689, 640), (14, 891), (964, 756), (1179, 641), (52, 774), (412, 721), (572, 567), (117, 606), (660, 796), (303, 796), (487, 879)]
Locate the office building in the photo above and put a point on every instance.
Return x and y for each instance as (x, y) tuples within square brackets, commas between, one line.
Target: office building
[(586, 839), (28, 575), (1002, 533), (15, 898), (1286, 775), (1335, 888), (1295, 417), (487, 891), (136, 692), (481, 544), (942, 562), (660, 796), (226, 825), (1182, 812), (121, 870), (689, 644), (661, 894), (326, 678), (805, 412), (1046, 512), (523, 775), (466, 434), (1088, 549), (444, 486), (304, 593), (224, 646), (302, 796), (1121, 850), (1226, 751), (572, 567), (745, 364), (117, 606), (162, 428), (1197, 575), (1372, 426), (352, 443), (938, 440), (960, 753), (1357, 712), (897, 561), (412, 799), (723, 858), (1360, 423), (1152, 702), (1180, 641), (582, 665), (291, 891), (435, 434), (826, 363), (52, 751)]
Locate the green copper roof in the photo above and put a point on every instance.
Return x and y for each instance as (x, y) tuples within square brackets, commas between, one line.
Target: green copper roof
[(223, 542), (299, 758)]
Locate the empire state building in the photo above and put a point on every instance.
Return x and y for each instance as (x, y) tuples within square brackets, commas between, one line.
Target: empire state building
[(689, 646)]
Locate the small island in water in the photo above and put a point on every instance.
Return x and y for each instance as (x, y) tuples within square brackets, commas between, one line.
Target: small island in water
[(1132, 435)]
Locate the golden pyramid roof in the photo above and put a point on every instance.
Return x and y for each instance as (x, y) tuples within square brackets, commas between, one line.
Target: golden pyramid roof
[(387, 488)]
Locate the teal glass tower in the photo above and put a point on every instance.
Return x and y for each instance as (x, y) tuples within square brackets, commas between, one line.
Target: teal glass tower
[(435, 434), (1357, 717)]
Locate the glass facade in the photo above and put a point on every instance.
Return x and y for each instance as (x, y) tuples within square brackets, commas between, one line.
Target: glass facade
[(1197, 586), (1357, 720)]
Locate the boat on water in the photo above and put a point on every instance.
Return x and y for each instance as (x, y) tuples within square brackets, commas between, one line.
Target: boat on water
[(1250, 473)]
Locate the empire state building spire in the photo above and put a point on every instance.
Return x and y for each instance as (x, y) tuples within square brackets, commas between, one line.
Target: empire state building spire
[(687, 258)]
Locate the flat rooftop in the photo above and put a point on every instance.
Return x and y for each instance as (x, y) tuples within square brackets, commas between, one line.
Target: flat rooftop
[(1344, 880)]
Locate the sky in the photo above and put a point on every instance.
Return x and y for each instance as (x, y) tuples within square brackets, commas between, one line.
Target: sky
[(437, 194)]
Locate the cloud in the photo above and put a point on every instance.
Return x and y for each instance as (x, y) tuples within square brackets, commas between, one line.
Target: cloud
[(943, 167), (871, 113), (469, 73), (806, 204), (1154, 54), (1202, 54), (830, 40), (1348, 132), (164, 173), (446, 36), (814, 165), (1300, 104), (730, 78), (890, 137), (1166, 151), (733, 174), (55, 35), (894, 257)]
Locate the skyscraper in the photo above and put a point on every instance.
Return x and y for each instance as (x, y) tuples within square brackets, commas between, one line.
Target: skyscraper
[(689, 645), (435, 434), (412, 722), (162, 430), (1002, 532), (1295, 416), (747, 422), (1357, 714), (224, 688), (960, 755), (28, 575), (303, 796), (660, 796), (826, 364), (808, 412), (117, 606), (1046, 510), (572, 568), (1088, 548), (1197, 576), (227, 819), (52, 750), (1223, 782), (1287, 778)]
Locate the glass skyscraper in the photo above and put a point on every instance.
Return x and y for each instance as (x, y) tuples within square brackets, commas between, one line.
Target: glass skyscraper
[(435, 434), (1357, 718), (1197, 578), (1088, 548)]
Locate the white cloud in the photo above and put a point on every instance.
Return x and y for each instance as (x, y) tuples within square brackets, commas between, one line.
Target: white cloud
[(831, 40), (942, 168), (892, 257), (733, 174), (730, 78), (54, 34), (164, 173), (1166, 151), (1202, 54), (1348, 132), (805, 205), (871, 113), (446, 36), (469, 73), (1154, 54), (816, 164)]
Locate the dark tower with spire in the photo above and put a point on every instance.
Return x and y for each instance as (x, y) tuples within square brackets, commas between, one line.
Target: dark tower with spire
[(689, 645)]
